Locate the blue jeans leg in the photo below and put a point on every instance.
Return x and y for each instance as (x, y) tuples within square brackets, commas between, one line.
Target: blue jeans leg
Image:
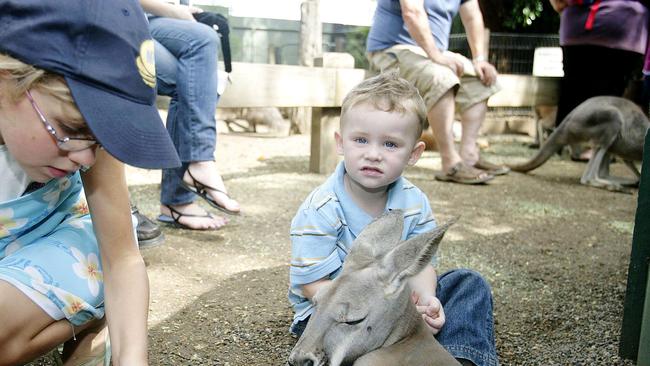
[(469, 328), (186, 68)]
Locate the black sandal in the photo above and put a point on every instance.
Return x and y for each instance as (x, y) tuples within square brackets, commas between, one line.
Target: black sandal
[(202, 191), (175, 217)]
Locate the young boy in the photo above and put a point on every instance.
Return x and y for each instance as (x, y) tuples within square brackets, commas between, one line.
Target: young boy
[(381, 121)]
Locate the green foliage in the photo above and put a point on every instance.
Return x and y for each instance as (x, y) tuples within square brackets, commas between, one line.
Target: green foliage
[(520, 16), (524, 13), (356, 46)]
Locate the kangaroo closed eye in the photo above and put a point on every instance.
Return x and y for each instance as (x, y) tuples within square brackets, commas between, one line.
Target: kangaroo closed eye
[(354, 322)]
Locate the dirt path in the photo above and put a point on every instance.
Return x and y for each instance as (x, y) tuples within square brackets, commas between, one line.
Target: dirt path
[(555, 252)]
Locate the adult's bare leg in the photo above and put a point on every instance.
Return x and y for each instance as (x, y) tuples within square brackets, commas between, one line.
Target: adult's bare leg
[(28, 332), (471, 120), (441, 119), (206, 172)]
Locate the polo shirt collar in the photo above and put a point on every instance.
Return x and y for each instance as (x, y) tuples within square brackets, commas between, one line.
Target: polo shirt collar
[(356, 218)]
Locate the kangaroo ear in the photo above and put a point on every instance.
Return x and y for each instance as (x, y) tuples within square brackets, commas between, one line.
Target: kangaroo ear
[(410, 257), (379, 236)]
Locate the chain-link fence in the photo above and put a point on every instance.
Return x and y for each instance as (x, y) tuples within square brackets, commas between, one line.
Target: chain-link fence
[(510, 53)]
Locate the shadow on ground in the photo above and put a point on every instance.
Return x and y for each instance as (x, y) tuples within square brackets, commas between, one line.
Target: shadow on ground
[(238, 322)]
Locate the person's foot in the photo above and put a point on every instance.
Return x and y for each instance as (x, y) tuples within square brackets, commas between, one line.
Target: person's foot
[(203, 175), (491, 168), (464, 174), (191, 216), (90, 347), (148, 232)]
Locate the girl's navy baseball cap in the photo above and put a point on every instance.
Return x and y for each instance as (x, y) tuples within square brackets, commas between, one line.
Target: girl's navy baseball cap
[(104, 51)]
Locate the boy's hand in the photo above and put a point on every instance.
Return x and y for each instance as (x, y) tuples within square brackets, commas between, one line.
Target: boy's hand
[(431, 310)]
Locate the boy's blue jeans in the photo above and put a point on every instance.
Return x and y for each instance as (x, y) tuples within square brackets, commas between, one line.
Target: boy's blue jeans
[(468, 332), (186, 70)]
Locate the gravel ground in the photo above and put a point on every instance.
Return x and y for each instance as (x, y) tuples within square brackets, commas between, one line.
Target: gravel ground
[(555, 252)]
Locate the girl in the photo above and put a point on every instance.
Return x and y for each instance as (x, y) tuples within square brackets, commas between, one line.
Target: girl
[(76, 98)]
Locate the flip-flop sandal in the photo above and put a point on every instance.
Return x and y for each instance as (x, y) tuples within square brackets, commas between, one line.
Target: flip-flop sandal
[(103, 358), (461, 173), (175, 217), (201, 190), (491, 168)]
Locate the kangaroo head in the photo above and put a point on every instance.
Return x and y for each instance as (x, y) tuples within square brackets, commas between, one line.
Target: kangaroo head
[(361, 309)]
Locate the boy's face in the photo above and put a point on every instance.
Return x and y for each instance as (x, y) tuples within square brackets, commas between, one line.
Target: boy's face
[(29, 142), (377, 145)]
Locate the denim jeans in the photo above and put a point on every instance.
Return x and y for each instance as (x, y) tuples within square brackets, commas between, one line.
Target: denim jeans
[(469, 328), (468, 332), (186, 71)]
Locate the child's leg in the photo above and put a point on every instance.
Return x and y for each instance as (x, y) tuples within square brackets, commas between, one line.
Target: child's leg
[(27, 331), (468, 332), (46, 285), (88, 344)]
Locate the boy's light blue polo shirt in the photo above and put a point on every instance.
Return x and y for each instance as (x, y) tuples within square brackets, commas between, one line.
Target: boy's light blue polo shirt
[(327, 223)]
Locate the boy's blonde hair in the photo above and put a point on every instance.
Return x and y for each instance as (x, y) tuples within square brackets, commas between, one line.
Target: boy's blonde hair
[(388, 92), (27, 77)]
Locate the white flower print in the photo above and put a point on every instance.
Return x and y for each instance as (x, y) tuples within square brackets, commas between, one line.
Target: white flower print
[(8, 222), (88, 268), (73, 304), (37, 279), (52, 197)]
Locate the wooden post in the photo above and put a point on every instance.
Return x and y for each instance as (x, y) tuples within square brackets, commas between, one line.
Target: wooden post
[(311, 46), (325, 121), (311, 32)]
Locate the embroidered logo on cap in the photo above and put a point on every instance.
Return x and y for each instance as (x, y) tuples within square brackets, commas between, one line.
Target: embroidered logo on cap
[(146, 63)]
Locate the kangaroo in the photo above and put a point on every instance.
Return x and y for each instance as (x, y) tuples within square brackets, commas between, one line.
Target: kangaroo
[(365, 316), (612, 125)]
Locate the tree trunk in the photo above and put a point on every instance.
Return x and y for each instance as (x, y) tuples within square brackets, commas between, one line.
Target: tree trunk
[(311, 46)]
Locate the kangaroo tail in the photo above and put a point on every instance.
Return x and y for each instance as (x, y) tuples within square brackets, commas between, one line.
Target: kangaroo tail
[(552, 145)]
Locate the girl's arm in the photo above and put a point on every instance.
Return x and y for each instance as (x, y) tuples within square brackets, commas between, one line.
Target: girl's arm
[(126, 286)]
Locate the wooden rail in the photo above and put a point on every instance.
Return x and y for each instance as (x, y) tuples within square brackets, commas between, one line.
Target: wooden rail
[(321, 88)]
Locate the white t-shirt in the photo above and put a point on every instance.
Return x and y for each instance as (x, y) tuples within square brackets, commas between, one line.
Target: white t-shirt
[(13, 179)]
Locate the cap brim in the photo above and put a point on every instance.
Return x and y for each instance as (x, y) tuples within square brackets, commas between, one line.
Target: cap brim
[(130, 131)]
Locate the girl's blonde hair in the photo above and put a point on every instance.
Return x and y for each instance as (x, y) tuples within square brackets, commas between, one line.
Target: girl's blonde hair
[(25, 77), (388, 92)]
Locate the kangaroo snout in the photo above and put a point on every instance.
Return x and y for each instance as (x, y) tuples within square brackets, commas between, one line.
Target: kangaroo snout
[(299, 358)]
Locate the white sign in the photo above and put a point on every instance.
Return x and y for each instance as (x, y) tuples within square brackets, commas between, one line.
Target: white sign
[(547, 61)]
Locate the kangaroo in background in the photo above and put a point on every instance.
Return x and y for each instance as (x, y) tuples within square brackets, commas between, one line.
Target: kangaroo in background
[(612, 125), (366, 316)]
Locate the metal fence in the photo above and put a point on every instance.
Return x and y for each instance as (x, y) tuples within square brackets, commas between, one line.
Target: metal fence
[(510, 53)]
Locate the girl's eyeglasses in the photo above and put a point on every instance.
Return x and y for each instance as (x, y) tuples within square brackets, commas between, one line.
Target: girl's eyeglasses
[(65, 143)]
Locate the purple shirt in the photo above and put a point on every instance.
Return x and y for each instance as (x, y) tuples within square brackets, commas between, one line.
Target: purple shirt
[(620, 24)]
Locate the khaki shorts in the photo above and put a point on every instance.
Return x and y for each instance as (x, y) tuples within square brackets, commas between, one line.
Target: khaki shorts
[(431, 79)]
